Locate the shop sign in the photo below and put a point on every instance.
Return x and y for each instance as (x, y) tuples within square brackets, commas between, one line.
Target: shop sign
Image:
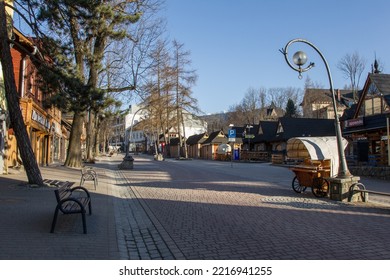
[(360, 138), (354, 122), (55, 127), (35, 116)]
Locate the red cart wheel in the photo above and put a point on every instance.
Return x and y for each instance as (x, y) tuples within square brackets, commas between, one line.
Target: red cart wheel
[(297, 186)]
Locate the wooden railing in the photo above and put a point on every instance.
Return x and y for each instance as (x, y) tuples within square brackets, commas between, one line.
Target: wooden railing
[(260, 156)]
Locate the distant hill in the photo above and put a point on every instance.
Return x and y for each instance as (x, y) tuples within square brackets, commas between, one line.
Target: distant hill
[(216, 121)]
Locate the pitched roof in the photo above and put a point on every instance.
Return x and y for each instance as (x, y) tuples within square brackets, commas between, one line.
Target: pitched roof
[(382, 84), (300, 127), (266, 131), (348, 113), (216, 137), (318, 95), (197, 139), (174, 141)]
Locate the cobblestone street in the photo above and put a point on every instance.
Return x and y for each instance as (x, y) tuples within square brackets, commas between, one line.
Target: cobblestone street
[(212, 210), (190, 210)]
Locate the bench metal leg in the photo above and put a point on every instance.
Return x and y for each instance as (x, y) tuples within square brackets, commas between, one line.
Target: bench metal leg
[(95, 182), (90, 207), (84, 223), (53, 224)]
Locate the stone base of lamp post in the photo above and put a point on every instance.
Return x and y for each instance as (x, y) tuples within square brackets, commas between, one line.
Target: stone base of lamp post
[(339, 188), (158, 157), (127, 163)]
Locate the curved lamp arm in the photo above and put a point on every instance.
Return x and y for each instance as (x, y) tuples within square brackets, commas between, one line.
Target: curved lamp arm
[(300, 60)]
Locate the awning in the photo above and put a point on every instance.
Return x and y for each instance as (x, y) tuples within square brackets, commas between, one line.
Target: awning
[(316, 148)]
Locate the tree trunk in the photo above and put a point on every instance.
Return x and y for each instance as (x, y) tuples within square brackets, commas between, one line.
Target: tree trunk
[(26, 152), (74, 157), (184, 136), (91, 134), (98, 135)]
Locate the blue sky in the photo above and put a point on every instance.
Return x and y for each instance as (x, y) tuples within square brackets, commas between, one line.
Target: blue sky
[(235, 45)]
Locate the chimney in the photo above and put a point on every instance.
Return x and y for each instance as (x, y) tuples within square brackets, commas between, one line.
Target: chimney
[(339, 95)]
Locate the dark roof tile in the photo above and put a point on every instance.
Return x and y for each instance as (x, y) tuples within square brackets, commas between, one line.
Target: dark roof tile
[(304, 127)]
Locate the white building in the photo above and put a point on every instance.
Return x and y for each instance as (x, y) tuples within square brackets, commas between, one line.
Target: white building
[(133, 136), (193, 125), (122, 126), (143, 139)]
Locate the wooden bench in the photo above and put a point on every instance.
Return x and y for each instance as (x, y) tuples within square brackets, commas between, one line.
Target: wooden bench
[(88, 174), (70, 203)]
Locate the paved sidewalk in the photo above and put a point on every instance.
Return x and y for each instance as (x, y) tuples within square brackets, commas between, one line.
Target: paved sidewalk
[(117, 229), (162, 211)]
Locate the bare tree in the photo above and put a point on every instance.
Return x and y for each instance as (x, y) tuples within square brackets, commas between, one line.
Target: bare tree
[(184, 79), (310, 84), (280, 96), (262, 97), (157, 92), (129, 62), (352, 66), (247, 111)]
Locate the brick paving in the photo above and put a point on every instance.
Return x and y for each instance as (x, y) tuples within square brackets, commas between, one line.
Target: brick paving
[(216, 217), (167, 210), (26, 216)]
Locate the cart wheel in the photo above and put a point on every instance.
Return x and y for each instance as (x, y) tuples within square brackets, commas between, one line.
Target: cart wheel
[(297, 186), (320, 187)]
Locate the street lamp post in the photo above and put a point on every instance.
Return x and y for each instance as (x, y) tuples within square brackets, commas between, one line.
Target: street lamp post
[(300, 59), (249, 136), (131, 133), (128, 160)]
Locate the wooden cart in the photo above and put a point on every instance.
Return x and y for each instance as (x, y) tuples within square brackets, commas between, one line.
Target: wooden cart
[(312, 174), (319, 161)]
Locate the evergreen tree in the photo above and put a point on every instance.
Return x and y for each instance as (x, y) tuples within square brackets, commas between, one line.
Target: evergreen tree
[(291, 109), (83, 29)]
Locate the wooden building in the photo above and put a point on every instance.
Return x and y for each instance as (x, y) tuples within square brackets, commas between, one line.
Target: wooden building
[(44, 124), (298, 127), (194, 145), (317, 103), (210, 145), (366, 124)]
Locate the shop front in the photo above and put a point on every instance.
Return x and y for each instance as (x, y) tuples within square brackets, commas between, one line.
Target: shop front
[(38, 126), (369, 138)]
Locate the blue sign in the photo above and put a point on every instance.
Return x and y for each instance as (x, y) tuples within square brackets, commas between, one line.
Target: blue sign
[(236, 154), (232, 133)]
